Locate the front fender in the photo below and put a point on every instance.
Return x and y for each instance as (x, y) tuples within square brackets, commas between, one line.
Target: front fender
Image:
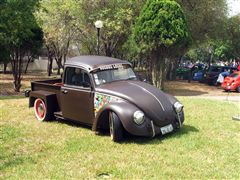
[(171, 98), (125, 112)]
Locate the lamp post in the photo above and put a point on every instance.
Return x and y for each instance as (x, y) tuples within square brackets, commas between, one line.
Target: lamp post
[(210, 58), (98, 25)]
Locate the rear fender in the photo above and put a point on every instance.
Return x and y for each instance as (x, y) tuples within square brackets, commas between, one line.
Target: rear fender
[(49, 98)]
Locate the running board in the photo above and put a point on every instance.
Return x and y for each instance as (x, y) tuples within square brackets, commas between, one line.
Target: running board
[(58, 115)]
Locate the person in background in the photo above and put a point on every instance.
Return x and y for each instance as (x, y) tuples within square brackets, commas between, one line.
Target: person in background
[(77, 78), (190, 72), (233, 63), (221, 76), (238, 65)]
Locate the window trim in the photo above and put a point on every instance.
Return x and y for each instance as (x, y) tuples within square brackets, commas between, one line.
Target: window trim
[(97, 85), (75, 86)]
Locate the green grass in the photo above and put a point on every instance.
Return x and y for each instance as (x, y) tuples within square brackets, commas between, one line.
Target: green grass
[(206, 147)]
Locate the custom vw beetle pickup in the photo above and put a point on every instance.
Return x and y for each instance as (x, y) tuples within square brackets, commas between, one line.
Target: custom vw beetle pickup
[(105, 94)]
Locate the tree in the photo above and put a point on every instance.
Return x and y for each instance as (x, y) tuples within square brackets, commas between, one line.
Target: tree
[(61, 22), (17, 24), (233, 32), (117, 16), (161, 29), (206, 19), (33, 46), (4, 50), (206, 22), (4, 56), (222, 50)]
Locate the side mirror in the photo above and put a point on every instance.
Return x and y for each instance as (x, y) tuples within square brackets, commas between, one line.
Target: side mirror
[(146, 81)]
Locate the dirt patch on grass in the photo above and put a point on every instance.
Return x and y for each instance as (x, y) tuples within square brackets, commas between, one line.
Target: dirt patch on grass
[(6, 82), (183, 88)]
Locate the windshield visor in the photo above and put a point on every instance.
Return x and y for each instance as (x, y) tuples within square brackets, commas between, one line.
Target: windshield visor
[(123, 72)]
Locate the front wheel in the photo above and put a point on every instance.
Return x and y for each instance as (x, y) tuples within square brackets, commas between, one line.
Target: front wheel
[(40, 110), (116, 128)]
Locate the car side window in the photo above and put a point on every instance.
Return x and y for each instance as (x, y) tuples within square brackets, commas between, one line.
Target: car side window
[(216, 69), (77, 77)]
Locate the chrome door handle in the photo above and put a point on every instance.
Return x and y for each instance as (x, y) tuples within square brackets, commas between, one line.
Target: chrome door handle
[(64, 91)]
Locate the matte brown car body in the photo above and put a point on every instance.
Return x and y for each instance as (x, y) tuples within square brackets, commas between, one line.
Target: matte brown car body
[(92, 104)]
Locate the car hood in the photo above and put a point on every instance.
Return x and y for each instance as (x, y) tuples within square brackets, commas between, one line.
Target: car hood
[(157, 105), (229, 79)]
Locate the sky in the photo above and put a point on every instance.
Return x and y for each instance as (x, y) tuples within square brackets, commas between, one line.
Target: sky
[(234, 7)]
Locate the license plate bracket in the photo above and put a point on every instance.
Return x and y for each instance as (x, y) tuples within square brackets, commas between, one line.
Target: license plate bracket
[(166, 129)]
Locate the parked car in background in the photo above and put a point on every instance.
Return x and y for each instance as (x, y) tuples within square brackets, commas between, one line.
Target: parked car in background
[(183, 73), (211, 76), (195, 72), (232, 82), (199, 72), (198, 76)]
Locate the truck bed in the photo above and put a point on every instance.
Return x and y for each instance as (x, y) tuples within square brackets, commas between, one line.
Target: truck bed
[(47, 85), (50, 85)]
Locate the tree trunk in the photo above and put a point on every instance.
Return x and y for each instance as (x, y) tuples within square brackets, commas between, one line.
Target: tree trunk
[(171, 69), (59, 70), (155, 70), (50, 61), (59, 64), (108, 51), (149, 69), (29, 59), (17, 70), (5, 67), (162, 74), (64, 58), (174, 69), (158, 70)]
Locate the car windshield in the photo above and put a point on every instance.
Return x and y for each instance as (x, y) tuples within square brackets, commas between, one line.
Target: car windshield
[(215, 69), (123, 72)]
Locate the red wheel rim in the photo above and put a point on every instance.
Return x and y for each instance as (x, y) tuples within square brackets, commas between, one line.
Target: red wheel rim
[(40, 109)]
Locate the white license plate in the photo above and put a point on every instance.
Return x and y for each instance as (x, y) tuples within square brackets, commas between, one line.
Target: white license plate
[(167, 129)]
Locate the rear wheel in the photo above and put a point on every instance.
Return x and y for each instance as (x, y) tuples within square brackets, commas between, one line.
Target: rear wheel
[(116, 128), (40, 110)]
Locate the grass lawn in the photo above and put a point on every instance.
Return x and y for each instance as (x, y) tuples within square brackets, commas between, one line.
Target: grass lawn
[(208, 146)]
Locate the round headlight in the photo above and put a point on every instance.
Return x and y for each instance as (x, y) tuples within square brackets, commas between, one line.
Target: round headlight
[(178, 107), (138, 117)]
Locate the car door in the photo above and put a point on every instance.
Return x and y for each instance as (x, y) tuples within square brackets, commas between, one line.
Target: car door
[(77, 96)]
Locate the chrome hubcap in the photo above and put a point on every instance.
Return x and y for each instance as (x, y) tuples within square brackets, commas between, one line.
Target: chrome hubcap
[(40, 109), (111, 125)]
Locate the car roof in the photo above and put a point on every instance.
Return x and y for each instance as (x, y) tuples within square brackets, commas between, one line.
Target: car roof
[(93, 62), (228, 67)]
